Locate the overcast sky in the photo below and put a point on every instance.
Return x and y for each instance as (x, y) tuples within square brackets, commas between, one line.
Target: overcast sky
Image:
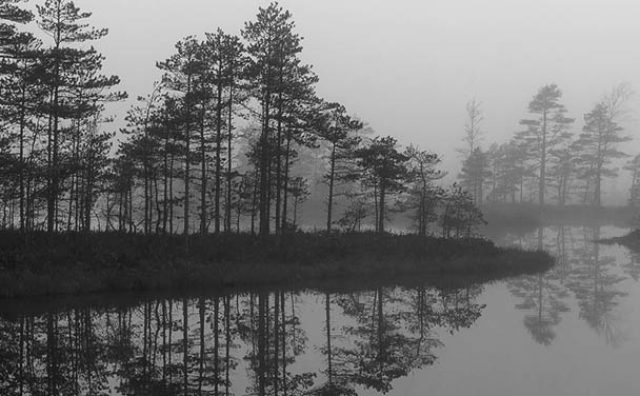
[(407, 67)]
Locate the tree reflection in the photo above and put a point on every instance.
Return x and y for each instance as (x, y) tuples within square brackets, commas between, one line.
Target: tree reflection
[(581, 270), (275, 340), (595, 287), (12, 344), (391, 335), (542, 298), (336, 384), (255, 343), (632, 267), (564, 244), (380, 352), (200, 346)]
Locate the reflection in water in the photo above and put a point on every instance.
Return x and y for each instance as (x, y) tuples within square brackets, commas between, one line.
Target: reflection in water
[(228, 345), (363, 342), (594, 284), (542, 298), (392, 334), (632, 267), (582, 273), (564, 243)]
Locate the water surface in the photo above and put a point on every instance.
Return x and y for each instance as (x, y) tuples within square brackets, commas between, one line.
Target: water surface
[(572, 331)]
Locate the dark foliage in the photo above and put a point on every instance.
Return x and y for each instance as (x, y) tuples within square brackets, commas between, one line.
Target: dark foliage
[(41, 264)]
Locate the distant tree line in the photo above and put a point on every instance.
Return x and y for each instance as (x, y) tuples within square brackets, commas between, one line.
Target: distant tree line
[(219, 145), (546, 161)]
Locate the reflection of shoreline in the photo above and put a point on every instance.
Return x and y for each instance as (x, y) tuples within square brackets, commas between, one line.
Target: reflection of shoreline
[(234, 344), (582, 276), (630, 240), (106, 301)]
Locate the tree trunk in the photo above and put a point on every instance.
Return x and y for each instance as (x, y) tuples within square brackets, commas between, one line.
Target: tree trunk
[(382, 206), (279, 160), (21, 159), (203, 174), (543, 160), (218, 152), (52, 193), (171, 196), (332, 172), (287, 166), (187, 173), (229, 161), (264, 170)]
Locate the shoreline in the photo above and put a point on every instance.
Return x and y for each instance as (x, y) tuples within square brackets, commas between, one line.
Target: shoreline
[(40, 265), (630, 240)]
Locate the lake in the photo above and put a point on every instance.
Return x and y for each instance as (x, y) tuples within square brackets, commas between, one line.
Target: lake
[(574, 330)]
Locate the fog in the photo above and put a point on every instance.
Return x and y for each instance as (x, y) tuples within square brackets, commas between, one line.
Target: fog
[(231, 233), (407, 68)]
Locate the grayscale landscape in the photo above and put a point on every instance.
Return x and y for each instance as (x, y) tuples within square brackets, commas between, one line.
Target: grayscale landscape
[(222, 197)]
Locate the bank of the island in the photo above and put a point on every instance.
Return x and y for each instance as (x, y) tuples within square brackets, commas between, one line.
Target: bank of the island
[(38, 264), (630, 240)]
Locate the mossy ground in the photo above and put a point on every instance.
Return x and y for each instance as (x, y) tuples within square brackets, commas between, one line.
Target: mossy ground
[(39, 264)]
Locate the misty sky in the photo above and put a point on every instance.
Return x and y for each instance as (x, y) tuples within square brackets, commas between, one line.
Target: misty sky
[(407, 67)]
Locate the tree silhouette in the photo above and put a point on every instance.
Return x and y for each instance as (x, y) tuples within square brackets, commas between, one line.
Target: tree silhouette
[(598, 143), (382, 161), (475, 171), (75, 84), (339, 132), (424, 196), (545, 132)]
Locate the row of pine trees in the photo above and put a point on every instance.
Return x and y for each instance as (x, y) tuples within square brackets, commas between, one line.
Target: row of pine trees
[(218, 146), (52, 96), (546, 161)]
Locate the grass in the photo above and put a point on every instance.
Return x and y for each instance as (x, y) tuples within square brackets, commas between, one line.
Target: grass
[(41, 265)]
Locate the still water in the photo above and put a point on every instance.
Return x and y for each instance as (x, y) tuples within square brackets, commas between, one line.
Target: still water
[(572, 331)]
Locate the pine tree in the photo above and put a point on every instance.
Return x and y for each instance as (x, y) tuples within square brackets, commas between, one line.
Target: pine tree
[(388, 167), (18, 92), (75, 85), (181, 70), (460, 215), (562, 171), (472, 129), (474, 174), (508, 171), (297, 130), (10, 15), (94, 162), (19, 100), (598, 143), (338, 131), (425, 195), (144, 131), (545, 132), (273, 49), (225, 56)]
